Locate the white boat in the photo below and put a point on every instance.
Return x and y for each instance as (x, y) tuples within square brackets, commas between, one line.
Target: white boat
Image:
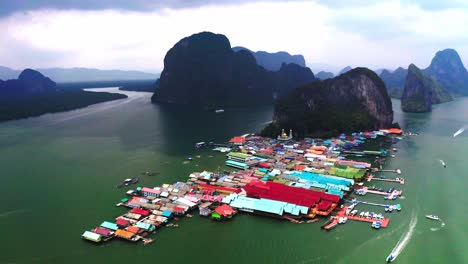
[(443, 163), (459, 131), (433, 217), (219, 111), (390, 258)]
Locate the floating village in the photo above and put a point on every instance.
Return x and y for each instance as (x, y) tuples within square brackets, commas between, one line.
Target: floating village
[(298, 181)]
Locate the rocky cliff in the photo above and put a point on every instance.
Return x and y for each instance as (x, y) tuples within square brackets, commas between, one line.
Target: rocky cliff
[(273, 61), (323, 75), (354, 101), (417, 94), (202, 70), (448, 69)]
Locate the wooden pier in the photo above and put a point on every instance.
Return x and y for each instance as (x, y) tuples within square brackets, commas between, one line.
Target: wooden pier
[(373, 178)]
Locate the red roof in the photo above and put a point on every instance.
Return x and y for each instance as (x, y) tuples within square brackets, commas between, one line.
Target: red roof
[(133, 229), (139, 211), (121, 222), (237, 140), (178, 209), (280, 192), (225, 210), (102, 231), (264, 165), (146, 189)]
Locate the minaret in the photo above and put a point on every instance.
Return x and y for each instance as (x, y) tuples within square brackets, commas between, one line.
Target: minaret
[(290, 133)]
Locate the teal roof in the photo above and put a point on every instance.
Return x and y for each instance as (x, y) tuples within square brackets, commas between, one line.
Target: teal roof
[(236, 163), (145, 226), (109, 225), (265, 205)]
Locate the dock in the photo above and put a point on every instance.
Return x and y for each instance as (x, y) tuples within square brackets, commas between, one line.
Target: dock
[(373, 178), (397, 171), (342, 213), (392, 195), (369, 203)]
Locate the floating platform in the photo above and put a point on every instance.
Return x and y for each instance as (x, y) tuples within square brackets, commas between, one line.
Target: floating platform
[(373, 178), (342, 213)]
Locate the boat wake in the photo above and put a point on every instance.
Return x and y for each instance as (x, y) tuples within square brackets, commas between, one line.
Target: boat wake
[(442, 224), (6, 214), (459, 131), (402, 197), (405, 239)]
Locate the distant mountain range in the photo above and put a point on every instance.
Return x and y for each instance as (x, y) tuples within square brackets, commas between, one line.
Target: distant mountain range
[(273, 61), (446, 68), (63, 75), (33, 94)]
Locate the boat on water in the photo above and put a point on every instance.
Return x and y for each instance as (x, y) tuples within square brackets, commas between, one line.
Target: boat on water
[(433, 217), (189, 159), (390, 258), (219, 111), (443, 163), (200, 144), (128, 182)]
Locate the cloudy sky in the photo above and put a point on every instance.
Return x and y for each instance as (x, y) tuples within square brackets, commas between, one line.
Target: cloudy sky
[(135, 35)]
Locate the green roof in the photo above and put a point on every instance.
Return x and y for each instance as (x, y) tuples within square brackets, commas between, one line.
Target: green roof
[(238, 155)]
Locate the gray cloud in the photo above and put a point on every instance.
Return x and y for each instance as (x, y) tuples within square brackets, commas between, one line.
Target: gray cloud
[(10, 6)]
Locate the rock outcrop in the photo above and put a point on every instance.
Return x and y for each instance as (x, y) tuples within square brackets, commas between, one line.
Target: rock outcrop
[(448, 69), (354, 101), (202, 70), (323, 75), (417, 94), (273, 61)]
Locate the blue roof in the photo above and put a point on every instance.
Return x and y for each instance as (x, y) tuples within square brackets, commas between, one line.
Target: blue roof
[(166, 213), (144, 225), (109, 225)]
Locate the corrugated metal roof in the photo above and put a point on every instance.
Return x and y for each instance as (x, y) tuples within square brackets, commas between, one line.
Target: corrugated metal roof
[(109, 225)]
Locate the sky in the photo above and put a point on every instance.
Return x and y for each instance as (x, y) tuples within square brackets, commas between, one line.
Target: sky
[(135, 35)]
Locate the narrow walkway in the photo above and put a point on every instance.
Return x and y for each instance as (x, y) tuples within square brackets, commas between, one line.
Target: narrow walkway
[(342, 213), (373, 178)]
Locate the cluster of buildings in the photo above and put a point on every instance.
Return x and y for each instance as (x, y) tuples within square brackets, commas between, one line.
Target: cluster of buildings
[(280, 178)]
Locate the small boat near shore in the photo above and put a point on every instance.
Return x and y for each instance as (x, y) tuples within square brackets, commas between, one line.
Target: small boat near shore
[(433, 217), (128, 182)]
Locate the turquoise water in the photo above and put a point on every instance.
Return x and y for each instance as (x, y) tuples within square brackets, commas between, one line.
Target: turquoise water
[(59, 174)]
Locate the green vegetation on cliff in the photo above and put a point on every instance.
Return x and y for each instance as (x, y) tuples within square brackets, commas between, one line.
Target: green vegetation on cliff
[(354, 101)]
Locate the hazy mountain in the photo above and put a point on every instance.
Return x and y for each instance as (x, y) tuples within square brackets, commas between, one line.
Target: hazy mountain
[(82, 74), (323, 75), (273, 61), (34, 94), (394, 81), (345, 69), (449, 71)]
